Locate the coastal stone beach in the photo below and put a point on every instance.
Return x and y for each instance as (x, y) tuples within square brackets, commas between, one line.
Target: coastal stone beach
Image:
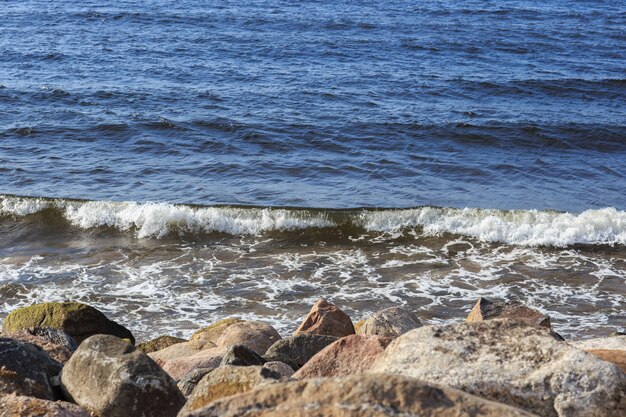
[(69, 359)]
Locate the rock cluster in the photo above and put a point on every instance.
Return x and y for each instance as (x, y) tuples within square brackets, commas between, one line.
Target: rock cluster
[(505, 360)]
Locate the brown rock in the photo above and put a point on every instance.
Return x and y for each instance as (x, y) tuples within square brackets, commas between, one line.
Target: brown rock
[(358, 326), (225, 381), (177, 350), (179, 367), (487, 310), (327, 319), (280, 368), (159, 343), (349, 355), (21, 406), (355, 396), (210, 334), (255, 335), (618, 357), (391, 322)]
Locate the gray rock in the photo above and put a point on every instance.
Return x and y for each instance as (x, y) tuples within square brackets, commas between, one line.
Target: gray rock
[(189, 382), (111, 378), (611, 342), (297, 350), (58, 337), (512, 363), (355, 396), (240, 355), (25, 369), (390, 322), (255, 335), (485, 309), (280, 368)]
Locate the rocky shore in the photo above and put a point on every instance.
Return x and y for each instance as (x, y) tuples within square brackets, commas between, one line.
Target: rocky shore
[(69, 359)]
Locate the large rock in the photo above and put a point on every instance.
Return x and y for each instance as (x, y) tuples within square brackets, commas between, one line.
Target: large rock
[(210, 334), (111, 378), (615, 356), (59, 353), (179, 367), (188, 383), (297, 350), (240, 355), (25, 369), (281, 368), (22, 406), (226, 381), (356, 396), (390, 322), (177, 350), (349, 355), (327, 319), (486, 310), (612, 342), (512, 363), (78, 320), (159, 343), (255, 335)]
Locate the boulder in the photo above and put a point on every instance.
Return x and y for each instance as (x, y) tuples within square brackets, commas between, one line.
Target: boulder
[(349, 355), (78, 320), (240, 355), (56, 336), (355, 396), (226, 381), (25, 369), (255, 335), (188, 383), (177, 350), (358, 326), (618, 357), (297, 350), (390, 322), (159, 343), (512, 363), (281, 368), (111, 378), (57, 352), (326, 319), (612, 342), (207, 358), (21, 406), (486, 310), (210, 334)]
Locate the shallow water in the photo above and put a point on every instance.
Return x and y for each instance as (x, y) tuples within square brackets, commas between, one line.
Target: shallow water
[(516, 108)]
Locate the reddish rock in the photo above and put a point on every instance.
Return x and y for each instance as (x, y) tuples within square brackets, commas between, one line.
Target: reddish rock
[(486, 310), (57, 352), (618, 357), (179, 367), (350, 355), (326, 319), (22, 406)]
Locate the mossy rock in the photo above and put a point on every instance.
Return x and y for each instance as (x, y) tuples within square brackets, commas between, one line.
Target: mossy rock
[(159, 343), (211, 333), (76, 319)]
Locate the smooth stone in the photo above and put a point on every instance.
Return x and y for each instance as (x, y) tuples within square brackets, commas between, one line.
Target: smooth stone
[(298, 350), (111, 378), (22, 406), (177, 350), (25, 369), (349, 355), (512, 363), (326, 319), (226, 381), (281, 368), (76, 319), (159, 343), (255, 335), (240, 355), (210, 334), (355, 396), (390, 322), (485, 309), (208, 358)]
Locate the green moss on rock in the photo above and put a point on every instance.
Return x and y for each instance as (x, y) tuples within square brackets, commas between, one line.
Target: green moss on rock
[(76, 319), (159, 343)]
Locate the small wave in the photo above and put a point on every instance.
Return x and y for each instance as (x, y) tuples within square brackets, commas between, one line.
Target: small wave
[(157, 220)]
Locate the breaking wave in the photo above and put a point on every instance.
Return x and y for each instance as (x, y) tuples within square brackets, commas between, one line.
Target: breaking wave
[(157, 220)]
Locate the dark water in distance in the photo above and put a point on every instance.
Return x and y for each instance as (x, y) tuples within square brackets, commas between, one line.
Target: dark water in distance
[(517, 104), (116, 113)]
